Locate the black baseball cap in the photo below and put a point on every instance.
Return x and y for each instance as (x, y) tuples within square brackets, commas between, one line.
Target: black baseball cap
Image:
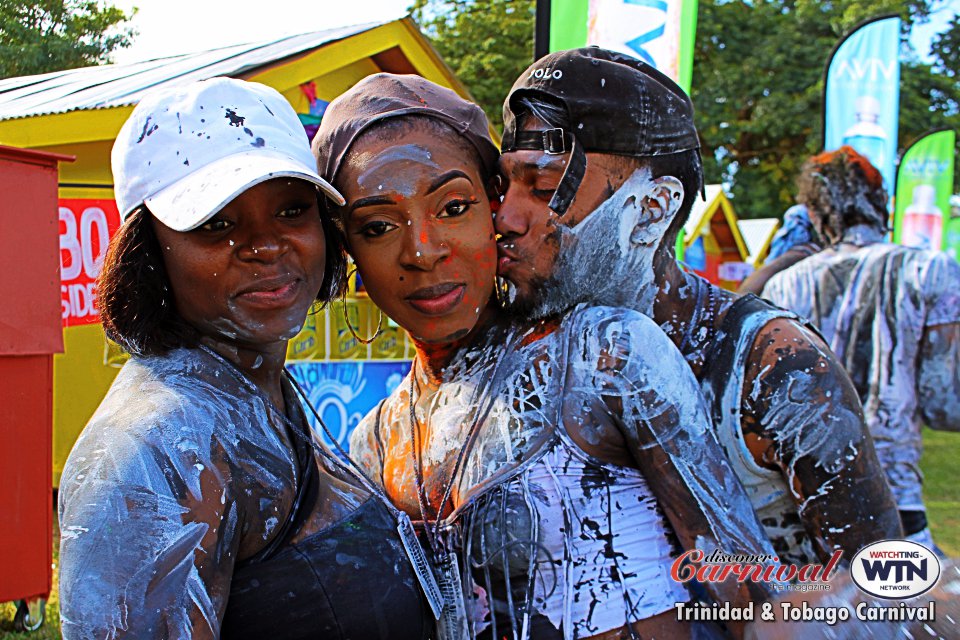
[(615, 104), (387, 95)]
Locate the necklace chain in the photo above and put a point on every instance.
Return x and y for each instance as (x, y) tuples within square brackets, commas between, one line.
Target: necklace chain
[(434, 535)]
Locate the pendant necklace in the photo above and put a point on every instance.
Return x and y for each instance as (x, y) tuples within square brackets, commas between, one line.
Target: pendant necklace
[(452, 624)]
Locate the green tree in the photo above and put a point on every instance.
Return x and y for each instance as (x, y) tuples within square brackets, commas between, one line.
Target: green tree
[(931, 93), (487, 43), (52, 35), (758, 89), (757, 78)]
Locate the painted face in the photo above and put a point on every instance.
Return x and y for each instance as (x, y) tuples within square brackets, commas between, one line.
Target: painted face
[(419, 227), (249, 274), (530, 232), (601, 251)]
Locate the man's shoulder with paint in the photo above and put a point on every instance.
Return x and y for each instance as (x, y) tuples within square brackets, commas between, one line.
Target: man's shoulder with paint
[(588, 316)]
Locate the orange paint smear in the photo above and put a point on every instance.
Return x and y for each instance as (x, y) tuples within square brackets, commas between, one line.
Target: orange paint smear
[(542, 330)]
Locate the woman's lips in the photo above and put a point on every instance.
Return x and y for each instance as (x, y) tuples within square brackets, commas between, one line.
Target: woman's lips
[(271, 292), (437, 300)]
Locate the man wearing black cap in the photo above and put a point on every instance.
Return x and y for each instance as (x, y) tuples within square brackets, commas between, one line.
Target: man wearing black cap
[(602, 165)]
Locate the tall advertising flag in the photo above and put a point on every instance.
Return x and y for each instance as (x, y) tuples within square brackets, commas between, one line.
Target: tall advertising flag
[(924, 185), (659, 32), (862, 97)]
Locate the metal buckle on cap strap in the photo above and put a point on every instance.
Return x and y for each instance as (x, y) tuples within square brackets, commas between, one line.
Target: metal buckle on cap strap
[(554, 141)]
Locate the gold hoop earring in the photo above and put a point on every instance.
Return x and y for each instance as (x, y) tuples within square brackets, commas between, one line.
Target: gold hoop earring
[(353, 331), (500, 290)]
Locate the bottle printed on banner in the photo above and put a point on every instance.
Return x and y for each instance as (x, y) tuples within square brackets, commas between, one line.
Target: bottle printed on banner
[(389, 344), (866, 135), (923, 220), (343, 341), (310, 343)]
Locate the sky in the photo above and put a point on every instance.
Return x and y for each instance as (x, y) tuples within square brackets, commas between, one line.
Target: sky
[(922, 35), (170, 27)]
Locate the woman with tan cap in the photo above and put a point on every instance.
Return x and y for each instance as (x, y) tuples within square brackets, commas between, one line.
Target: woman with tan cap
[(196, 503), (550, 464)]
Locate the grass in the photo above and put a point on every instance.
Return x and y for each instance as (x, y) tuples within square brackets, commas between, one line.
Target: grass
[(941, 492)]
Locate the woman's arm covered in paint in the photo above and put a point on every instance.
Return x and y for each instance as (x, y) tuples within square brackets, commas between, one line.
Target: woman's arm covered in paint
[(801, 416), (649, 396), (150, 532)]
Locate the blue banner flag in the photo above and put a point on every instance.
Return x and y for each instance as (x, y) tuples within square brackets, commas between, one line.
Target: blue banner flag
[(862, 95)]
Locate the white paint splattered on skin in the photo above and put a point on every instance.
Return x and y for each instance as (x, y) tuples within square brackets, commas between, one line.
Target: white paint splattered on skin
[(874, 302), (398, 183), (605, 356), (591, 268), (179, 435)]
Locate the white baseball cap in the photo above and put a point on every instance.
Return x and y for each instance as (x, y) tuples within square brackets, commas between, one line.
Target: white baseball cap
[(186, 152)]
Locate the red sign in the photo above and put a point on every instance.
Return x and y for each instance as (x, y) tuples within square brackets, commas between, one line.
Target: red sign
[(86, 227)]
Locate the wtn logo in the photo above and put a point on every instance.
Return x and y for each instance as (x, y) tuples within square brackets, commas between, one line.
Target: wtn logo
[(902, 569), (895, 569)]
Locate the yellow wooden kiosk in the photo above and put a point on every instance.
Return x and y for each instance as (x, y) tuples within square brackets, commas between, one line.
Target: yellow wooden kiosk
[(713, 246), (79, 112)]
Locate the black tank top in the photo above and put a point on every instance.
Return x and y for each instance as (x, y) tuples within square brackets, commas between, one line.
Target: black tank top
[(350, 581)]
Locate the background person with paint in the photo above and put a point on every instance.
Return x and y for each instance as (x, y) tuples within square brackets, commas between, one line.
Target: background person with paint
[(552, 463), (196, 503), (890, 313), (601, 163), (795, 240)]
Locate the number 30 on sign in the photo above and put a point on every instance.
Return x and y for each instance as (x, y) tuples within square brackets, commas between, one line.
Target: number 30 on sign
[(86, 227)]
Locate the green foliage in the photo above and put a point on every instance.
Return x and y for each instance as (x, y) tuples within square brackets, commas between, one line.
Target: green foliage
[(757, 78), (758, 89), (487, 43), (52, 35)]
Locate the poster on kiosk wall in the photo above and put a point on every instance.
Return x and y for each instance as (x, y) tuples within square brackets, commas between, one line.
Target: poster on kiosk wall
[(924, 186), (659, 32), (862, 95), (86, 226)]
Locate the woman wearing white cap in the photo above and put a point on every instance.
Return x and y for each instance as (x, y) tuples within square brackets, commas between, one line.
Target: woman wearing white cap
[(196, 503)]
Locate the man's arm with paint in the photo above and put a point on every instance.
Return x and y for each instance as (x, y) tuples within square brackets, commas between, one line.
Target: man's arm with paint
[(648, 394), (801, 416), (938, 372), (938, 377)]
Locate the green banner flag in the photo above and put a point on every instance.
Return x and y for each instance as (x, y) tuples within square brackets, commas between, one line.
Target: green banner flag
[(659, 32), (924, 186)]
